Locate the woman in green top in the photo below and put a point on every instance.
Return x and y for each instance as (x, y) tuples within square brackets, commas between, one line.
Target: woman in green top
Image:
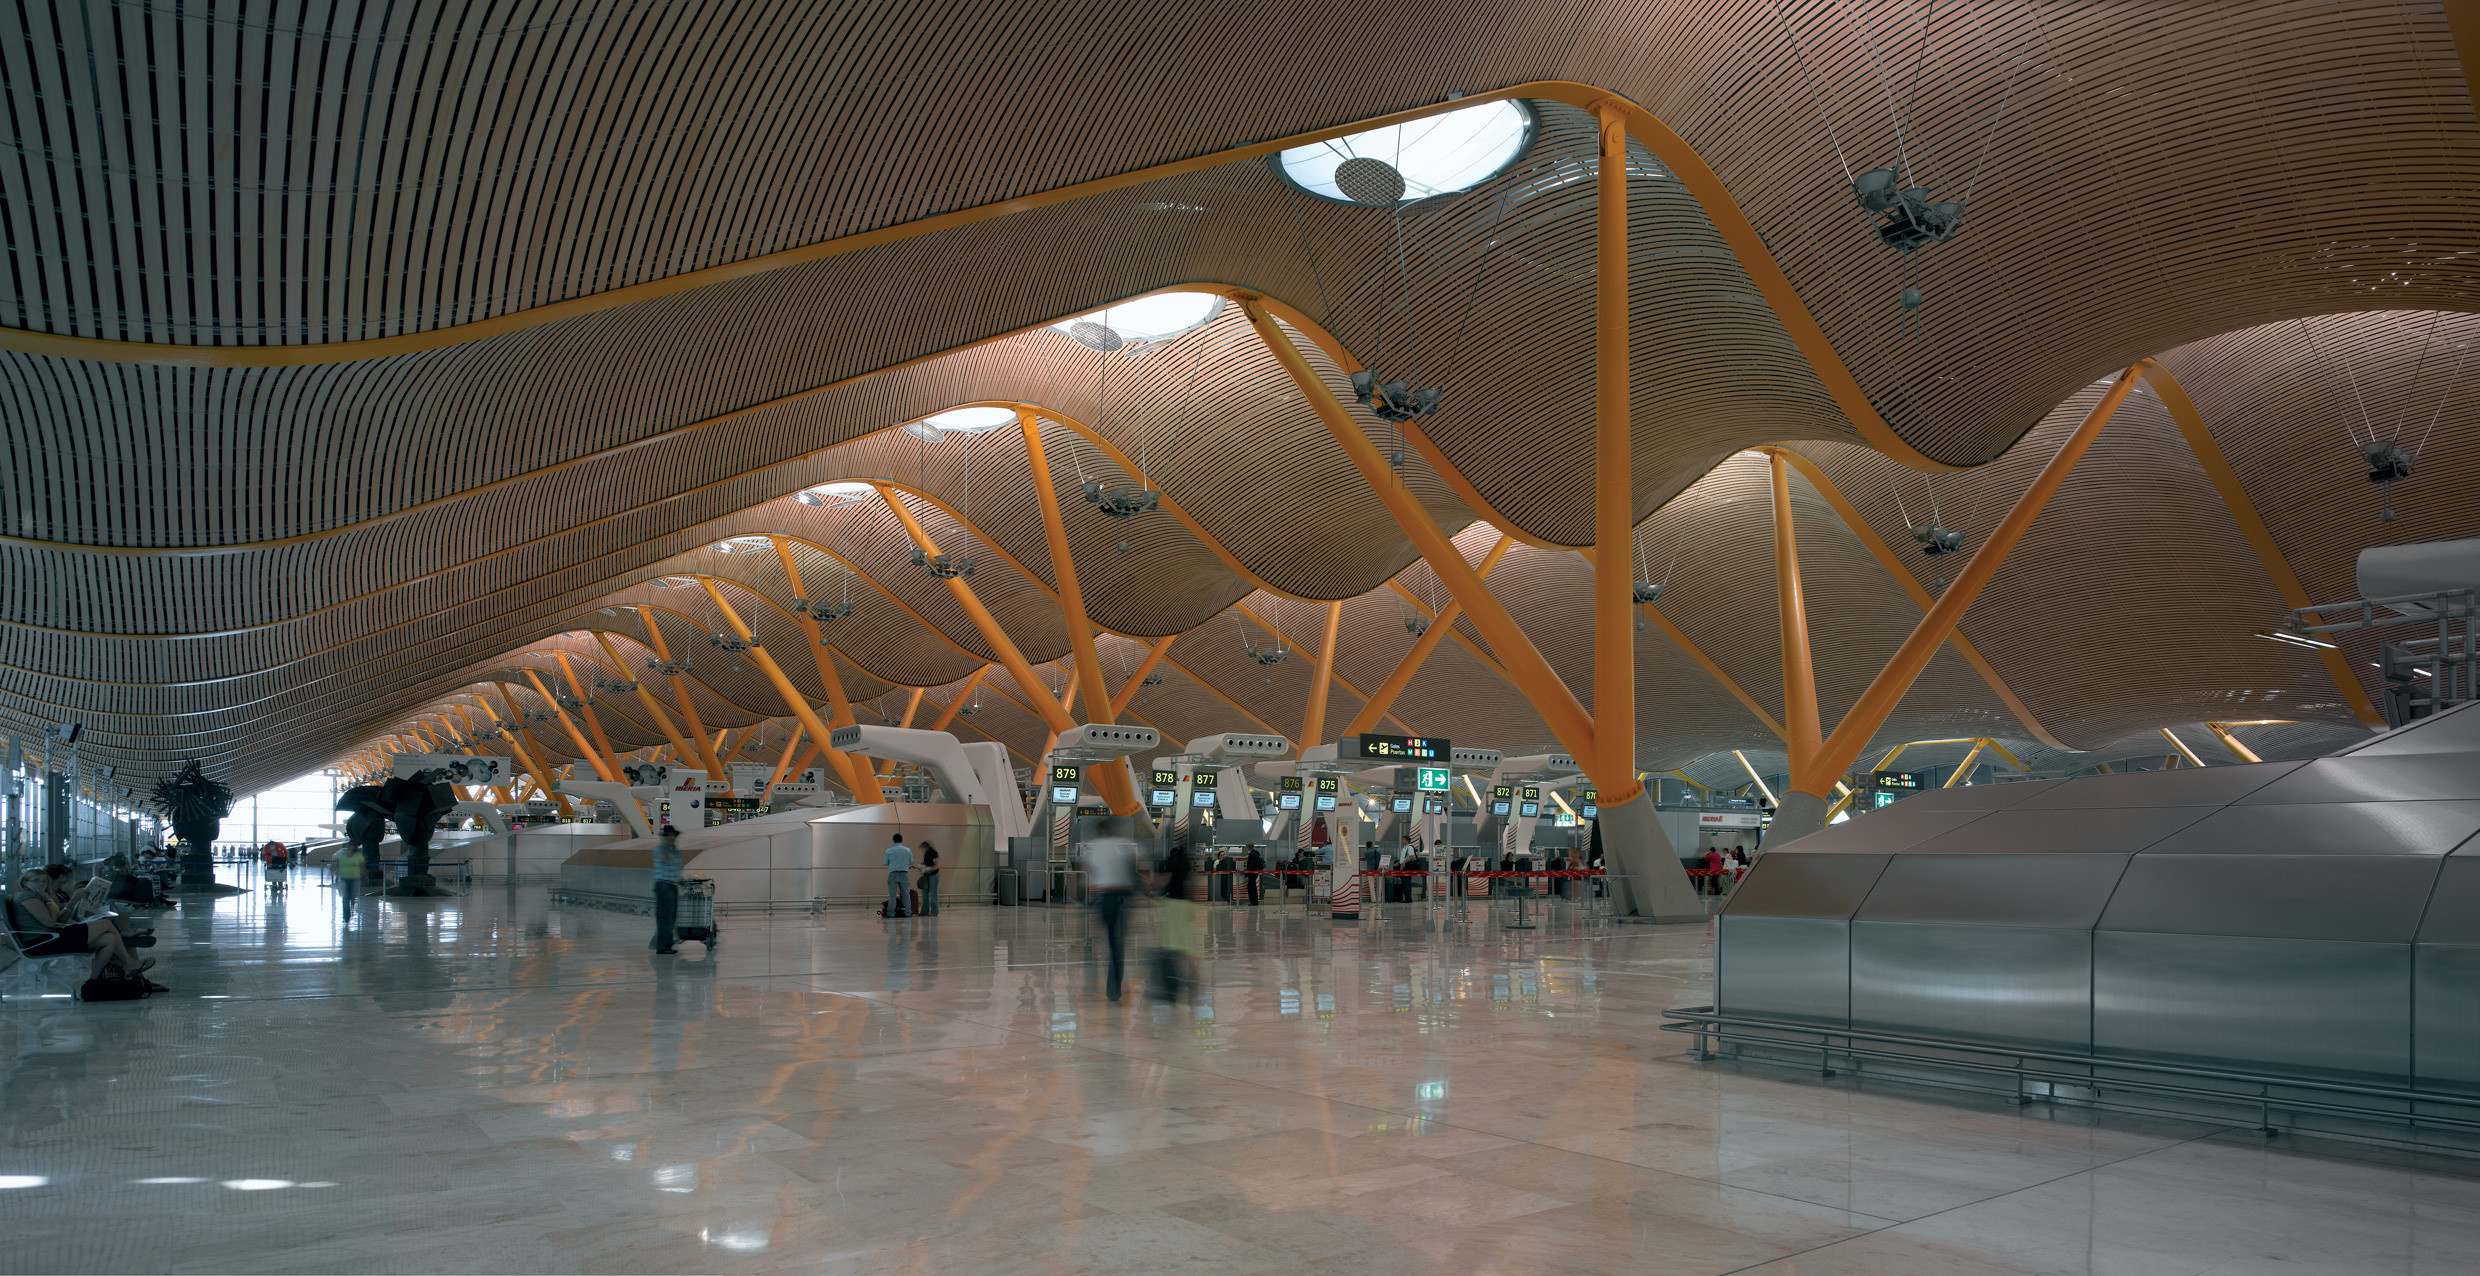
[(348, 867)]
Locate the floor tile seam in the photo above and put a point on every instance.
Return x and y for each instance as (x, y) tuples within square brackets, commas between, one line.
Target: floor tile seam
[(1366, 1107), (1986, 1200)]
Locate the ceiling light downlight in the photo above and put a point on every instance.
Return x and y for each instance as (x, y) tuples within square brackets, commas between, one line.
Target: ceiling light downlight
[(1145, 323), (1404, 163)]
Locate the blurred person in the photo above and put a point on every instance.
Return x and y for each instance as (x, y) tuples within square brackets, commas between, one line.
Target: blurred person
[(348, 866), (1175, 929), (1111, 880), (666, 889), (928, 882)]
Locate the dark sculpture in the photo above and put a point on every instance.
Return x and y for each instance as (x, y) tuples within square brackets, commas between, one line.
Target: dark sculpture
[(415, 805), (196, 804)]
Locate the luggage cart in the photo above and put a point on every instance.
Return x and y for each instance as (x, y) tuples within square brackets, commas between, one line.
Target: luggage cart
[(697, 912)]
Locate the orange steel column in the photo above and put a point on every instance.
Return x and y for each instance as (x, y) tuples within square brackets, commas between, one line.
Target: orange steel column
[(1614, 484), (2260, 538), (783, 687), (1802, 734), (1322, 679), (1063, 569), (586, 706), (1119, 701), (1531, 674), (585, 748), (1052, 715), (963, 693), (1114, 782), (1886, 690), (680, 693), (840, 710), (645, 697), (1374, 709), (527, 751)]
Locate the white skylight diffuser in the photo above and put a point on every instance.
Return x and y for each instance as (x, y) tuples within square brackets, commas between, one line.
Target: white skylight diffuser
[(1437, 156), (970, 420), (836, 493), (1133, 326)]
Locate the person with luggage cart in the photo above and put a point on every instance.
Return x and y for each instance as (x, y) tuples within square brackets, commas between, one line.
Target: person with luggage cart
[(666, 889), (277, 859)]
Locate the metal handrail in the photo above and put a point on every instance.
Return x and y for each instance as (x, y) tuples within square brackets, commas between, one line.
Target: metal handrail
[(1702, 1022)]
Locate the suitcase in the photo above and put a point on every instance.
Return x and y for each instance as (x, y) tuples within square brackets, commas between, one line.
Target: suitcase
[(697, 912)]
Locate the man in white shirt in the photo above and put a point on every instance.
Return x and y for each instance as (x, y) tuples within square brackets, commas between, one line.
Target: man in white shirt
[(1111, 877), (899, 875)]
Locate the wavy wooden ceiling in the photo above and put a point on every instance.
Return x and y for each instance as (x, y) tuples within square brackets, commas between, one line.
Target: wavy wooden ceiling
[(2273, 202)]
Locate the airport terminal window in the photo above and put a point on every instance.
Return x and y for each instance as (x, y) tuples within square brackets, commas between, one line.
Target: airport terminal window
[(1441, 155)]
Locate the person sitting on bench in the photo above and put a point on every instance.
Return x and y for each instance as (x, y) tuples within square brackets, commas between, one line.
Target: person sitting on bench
[(34, 919)]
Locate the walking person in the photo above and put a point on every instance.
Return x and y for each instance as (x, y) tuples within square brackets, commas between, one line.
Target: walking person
[(1256, 866), (1175, 929), (899, 875), (929, 881), (348, 867), (275, 858), (1111, 876), (666, 889)]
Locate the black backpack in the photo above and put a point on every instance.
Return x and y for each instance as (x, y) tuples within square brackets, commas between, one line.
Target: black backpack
[(114, 988)]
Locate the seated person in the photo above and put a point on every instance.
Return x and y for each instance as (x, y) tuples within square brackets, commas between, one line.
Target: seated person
[(34, 918), (71, 906)]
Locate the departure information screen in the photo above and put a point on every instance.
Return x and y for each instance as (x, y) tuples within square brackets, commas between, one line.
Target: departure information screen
[(1165, 797), (1408, 748), (1288, 801), (1592, 804), (1326, 801), (1202, 798), (1403, 805), (1529, 810), (1498, 806)]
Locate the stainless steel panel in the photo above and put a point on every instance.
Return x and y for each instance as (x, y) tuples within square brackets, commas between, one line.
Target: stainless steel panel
[(1993, 983), (2457, 730), (2374, 898), (1783, 968), (2047, 891), (2453, 915), (1973, 797), (2328, 828), (2210, 786), (2402, 777), (2258, 1003), (1797, 884), (1896, 828), (2445, 1014), (2093, 829)]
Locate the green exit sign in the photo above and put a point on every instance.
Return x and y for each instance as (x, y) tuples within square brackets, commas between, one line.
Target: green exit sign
[(1432, 779)]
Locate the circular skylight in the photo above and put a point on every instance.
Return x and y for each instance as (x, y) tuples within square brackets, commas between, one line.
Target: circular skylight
[(1132, 327), (1393, 166), (970, 420), (836, 493)]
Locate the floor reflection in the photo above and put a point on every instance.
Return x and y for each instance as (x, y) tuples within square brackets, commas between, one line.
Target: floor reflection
[(491, 1083)]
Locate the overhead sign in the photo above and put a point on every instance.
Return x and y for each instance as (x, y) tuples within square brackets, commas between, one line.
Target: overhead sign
[(1405, 748), (1327, 788), (684, 799), (455, 768), (1591, 805), (1066, 783), (1162, 787), (1203, 780), (1287, 793), (1432, 779), (1730, 819)]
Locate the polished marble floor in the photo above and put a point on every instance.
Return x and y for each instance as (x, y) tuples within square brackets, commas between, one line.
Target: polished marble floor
[(496, 1084)]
